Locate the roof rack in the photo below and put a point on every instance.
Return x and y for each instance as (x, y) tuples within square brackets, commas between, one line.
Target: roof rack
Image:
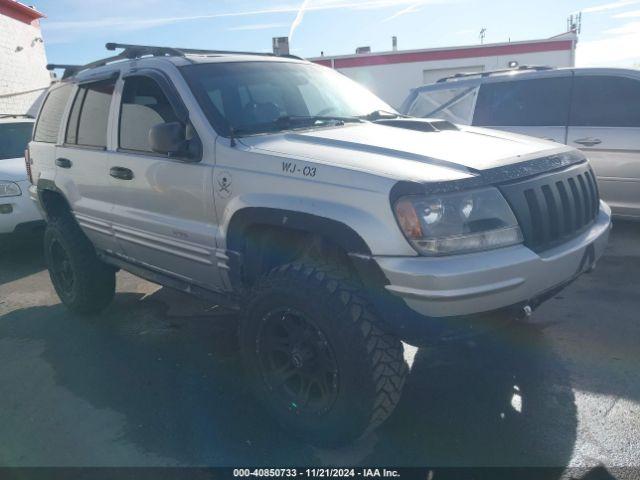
[(522, 68), (130, 51)]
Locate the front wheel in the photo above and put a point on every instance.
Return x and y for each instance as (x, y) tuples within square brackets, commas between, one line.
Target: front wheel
[(316, 356)]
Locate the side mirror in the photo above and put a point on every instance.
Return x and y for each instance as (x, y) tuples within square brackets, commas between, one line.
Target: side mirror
[(169, 138)]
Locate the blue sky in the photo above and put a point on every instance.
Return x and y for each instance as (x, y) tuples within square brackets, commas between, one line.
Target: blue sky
[(75, 30)]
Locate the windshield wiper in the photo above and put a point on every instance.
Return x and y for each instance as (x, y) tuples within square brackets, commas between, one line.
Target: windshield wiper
[(380, 114), (287, 122)]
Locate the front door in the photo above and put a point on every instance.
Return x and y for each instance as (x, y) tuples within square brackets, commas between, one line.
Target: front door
[(164, 215), (605, 124)]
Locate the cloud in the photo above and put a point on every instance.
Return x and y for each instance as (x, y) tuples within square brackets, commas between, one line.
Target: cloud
[(410, 9), (129, 23), (258, 26), (631, 14), (616, 49), (609, 6), (631, 28), (298, 20)]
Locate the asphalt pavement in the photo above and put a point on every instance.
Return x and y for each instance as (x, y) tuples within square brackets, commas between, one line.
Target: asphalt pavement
[(156, 381)]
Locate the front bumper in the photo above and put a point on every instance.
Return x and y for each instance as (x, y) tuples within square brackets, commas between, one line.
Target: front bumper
[(473, 283), (23, 212)]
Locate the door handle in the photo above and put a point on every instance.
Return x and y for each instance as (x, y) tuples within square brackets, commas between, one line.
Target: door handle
[(63, 162), (589, 141), (121, 173)]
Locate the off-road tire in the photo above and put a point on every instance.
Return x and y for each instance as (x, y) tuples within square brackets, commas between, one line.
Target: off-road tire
[(371, 369), (94, 282)]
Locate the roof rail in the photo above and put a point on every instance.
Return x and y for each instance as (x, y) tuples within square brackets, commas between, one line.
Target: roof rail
[(130, 51), (522, 68), (69, 70), (136, 51)]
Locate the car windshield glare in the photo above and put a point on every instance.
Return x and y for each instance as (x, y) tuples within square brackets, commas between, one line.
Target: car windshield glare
[(259, 97), (14, 138)]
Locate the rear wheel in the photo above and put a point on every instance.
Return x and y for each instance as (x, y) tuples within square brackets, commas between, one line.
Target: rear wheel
[(84, 283), (316, 357)]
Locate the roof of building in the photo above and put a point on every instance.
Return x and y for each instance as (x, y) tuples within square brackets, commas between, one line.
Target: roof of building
[(565, 41), (19, 11)]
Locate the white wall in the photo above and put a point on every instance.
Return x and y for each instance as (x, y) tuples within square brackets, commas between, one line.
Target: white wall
[(21, 70), (393, 82)]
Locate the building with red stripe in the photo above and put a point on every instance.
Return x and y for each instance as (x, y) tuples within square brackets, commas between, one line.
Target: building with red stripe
[(391, 75), (23, 74)]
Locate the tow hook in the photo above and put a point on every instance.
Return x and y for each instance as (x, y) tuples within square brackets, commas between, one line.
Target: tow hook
[(527, 310)]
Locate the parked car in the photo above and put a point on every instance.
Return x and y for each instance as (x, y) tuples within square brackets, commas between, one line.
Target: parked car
[(284, 190), (594, 109), (18, 214)]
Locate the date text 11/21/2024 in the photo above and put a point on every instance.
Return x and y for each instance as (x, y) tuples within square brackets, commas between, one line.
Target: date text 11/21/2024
[(317, 472)]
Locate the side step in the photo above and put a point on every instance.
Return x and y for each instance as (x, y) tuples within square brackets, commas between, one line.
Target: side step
[(166, 279)]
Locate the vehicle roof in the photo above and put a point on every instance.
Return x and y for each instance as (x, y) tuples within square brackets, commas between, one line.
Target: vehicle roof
[(506, 76)]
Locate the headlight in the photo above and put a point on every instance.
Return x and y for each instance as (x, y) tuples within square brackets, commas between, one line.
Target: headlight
[(9, 189), (457, 222)]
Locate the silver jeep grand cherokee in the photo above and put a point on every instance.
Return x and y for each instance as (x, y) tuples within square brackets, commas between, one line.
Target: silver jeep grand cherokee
[(334, 225)]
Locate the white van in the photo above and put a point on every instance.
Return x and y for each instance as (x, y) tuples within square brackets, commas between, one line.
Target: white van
[(594, 109)]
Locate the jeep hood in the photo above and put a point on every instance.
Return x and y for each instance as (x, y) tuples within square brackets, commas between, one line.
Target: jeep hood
[(404, 154), (13, 169)]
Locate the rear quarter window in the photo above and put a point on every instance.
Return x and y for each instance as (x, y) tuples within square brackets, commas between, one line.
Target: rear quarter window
[(527, 103), (51, 114)]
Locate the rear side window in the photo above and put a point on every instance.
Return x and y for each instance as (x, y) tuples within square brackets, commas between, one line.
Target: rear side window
[(144, 105), (605, 101), (536, 102), (89, 117), (51, 115)]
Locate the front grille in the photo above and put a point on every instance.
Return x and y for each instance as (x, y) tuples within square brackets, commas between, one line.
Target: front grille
[(554, 207)]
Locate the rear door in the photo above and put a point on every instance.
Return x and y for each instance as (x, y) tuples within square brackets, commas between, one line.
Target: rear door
[(164, 213), (46, 135), (605, 124), (536, 106), (82, 161)]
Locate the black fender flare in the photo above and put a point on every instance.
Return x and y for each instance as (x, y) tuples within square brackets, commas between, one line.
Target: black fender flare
[(340, 233), (46, 185)]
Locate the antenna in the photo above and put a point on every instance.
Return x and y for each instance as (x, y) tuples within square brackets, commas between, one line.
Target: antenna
[(483, 33), (574, 23)]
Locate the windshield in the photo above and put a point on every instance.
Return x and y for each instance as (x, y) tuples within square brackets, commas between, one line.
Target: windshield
[(14, 138), (256, 97)]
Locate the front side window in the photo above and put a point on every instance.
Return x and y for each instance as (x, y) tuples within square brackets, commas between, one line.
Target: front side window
[(51, 115), (605, 101), (144, 105), (14, 138), (534, 102), (453, 104), (254, 97), (89, 117)]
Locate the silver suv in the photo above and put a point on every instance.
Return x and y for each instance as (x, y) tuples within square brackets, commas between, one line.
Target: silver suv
[(334, 225), (594, 109)]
